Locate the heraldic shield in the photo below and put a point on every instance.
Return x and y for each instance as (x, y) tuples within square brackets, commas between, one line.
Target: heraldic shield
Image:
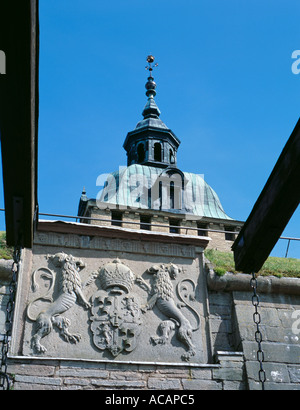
[(116, 314)]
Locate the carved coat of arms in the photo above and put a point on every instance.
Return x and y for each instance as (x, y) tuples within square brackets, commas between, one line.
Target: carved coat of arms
[(116, 314), (116, 309)]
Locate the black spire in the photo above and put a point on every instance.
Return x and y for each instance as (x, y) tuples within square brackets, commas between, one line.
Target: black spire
[(151, 142), (151, 109)]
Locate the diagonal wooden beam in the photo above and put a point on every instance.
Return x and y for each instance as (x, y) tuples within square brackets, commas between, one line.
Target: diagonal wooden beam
[(272, 210)]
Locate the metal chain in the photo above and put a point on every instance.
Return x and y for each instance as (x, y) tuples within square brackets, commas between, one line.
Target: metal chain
[(4, 378), (258, 335)]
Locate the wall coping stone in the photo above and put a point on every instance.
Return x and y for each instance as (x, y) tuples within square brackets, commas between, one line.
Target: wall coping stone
[(241, 282), (115, 362), (5, 270)]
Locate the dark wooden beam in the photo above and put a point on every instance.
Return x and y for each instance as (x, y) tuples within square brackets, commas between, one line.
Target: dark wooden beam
[(272, 210), (19, 39)]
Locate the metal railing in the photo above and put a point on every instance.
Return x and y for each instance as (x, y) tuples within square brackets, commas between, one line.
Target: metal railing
[(288, 244), (177, 227), (118, 222)]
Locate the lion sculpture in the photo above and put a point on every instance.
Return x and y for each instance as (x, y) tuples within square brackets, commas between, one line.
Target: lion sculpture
[(162, 295), (69, 291)]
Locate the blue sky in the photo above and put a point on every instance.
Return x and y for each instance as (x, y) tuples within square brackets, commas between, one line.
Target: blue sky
[(224, 86)]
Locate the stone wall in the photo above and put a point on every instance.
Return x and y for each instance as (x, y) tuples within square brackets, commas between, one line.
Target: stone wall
[(160, 222), (227, 374), (65, 375), (279, 309), (218, 242), (229, 359), (4, 297), (280, 340), (5, 278)]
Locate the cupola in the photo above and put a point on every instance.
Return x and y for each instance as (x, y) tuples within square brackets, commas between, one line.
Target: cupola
[(151, 142)]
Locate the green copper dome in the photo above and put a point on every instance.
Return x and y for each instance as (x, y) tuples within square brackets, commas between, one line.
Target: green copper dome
[(145, 187), (151, 179)]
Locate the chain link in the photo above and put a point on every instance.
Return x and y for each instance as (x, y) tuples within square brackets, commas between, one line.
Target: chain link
[(258, 335), (4, 378)]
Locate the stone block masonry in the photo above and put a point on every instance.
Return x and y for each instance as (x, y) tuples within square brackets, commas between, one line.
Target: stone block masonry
[(70, 375), (4, 297), (231, 327), (280, 343), (219, 309)]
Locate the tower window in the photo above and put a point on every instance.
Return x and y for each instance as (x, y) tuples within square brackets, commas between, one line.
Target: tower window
[(116, 218), (171, 157), (157, 152), (228, 235), (172, 202), (160, 194), (173, 225), (141, 153), (202, 229), (145, 220)]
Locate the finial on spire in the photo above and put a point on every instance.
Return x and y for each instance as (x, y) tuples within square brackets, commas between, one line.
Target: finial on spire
[(150, 85), (150, 60)]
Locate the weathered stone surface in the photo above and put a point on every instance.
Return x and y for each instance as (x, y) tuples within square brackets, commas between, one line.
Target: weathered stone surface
[(274, 352), (226, 351), (98, 323), (163, 384), (5, 270), (34, 386), (253, 385), (26, 369), (275, 372), (201, 384), (228, 373), (204, 374), (294, 373), (77, 381), (233, 385), (77, 372), (38, 380), (119, 383)]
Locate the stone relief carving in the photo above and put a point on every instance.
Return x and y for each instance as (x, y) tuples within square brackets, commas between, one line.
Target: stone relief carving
[(162, 295), (116, 313), (116, 309), (114, 244), (69, 291)]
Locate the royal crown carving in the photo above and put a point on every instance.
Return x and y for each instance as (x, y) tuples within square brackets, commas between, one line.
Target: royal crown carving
[(116, 275), (116, 315)]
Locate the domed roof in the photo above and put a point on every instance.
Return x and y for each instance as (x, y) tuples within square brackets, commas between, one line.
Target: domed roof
[(145, 187), (151, 179), (151, 115)]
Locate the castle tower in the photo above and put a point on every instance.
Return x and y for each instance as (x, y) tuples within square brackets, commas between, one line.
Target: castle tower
[(151, 142), (152, 193)]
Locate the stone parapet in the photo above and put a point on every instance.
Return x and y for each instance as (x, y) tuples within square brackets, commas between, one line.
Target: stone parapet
[(241, 282)]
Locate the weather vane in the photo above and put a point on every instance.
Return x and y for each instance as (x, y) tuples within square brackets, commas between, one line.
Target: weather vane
[(150, 60)]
